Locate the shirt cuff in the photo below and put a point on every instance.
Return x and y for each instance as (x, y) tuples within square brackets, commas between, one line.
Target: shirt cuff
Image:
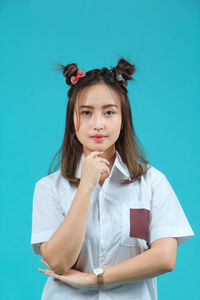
[(181, 233), (40, 237)]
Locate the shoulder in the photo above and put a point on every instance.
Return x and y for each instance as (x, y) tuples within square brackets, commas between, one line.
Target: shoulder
[(153, 176), (51, 179), (55, 182)]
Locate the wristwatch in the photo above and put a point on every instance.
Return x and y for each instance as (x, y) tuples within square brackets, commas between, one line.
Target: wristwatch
[(98, 272)]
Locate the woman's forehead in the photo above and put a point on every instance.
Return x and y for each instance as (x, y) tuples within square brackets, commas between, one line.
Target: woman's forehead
[(98, 95)]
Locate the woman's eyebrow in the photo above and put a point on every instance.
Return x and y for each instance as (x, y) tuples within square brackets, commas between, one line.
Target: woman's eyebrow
[(92, 107)]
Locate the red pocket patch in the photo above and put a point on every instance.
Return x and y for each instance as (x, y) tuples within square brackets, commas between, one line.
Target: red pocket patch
[(139, 223)]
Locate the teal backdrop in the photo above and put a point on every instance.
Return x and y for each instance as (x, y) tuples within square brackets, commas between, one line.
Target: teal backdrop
[(162, 39)]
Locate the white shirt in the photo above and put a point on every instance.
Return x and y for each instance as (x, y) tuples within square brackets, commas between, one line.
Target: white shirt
[(123, 220)]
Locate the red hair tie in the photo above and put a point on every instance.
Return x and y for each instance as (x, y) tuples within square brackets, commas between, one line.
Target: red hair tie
[(74, 79)]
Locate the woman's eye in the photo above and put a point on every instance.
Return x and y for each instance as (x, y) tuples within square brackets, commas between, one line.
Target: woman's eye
[(86, 111), (111, 112)]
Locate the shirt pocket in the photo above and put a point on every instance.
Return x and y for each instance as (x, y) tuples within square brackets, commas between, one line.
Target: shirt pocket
[(135, 219)]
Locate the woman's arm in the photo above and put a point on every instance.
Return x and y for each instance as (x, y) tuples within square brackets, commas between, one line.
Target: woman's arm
[(159, 259), (63, 248)]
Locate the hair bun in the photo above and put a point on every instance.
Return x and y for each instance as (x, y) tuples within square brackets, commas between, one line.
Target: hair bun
[(125, 68), (68, 71)]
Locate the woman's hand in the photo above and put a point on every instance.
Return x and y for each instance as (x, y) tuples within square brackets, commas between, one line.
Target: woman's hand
[(73, 277), (92, 167)]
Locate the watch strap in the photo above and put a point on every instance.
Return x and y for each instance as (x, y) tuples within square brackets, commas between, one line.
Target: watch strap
[(100, 281)]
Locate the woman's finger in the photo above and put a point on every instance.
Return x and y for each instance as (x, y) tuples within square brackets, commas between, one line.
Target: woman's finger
[(49, 272), (53, 275), (44, 262), (46, 270), (42, 270)]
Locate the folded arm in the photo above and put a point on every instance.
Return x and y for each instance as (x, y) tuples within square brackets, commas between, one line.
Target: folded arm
[(159, 259)]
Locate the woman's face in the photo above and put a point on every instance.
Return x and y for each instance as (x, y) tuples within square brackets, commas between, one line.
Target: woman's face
[(98, 119)]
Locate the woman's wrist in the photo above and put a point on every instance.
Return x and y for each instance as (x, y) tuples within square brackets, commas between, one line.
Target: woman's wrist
[(85, 188), (93, 280)]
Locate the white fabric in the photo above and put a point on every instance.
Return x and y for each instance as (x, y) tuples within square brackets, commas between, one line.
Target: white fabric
[(107, 240)]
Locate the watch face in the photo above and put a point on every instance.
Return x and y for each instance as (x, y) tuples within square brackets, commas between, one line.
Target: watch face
[(98, 271)]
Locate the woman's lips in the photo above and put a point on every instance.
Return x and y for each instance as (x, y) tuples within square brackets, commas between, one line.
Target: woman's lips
[(95, 138)]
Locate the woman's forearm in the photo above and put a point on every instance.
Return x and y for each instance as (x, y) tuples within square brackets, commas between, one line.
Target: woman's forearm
[(148, 264), (63, 248)]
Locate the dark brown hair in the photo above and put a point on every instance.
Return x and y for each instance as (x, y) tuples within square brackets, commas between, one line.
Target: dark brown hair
[(127, 144)]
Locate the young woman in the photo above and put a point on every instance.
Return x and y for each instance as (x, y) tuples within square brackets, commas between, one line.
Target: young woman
[(106, 222)]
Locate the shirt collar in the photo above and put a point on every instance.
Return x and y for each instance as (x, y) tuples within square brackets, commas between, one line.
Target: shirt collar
[(118, 163)]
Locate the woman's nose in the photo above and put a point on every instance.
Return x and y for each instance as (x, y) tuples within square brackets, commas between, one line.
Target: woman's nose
[(98, 120)]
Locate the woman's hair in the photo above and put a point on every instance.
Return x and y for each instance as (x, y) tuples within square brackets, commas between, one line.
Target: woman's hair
[(127, 144)]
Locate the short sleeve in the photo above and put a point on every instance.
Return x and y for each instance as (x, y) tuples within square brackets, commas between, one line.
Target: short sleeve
[(47, 214), (167, 218)]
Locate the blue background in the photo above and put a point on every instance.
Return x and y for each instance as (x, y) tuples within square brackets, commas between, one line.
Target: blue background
[(162, 40)]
